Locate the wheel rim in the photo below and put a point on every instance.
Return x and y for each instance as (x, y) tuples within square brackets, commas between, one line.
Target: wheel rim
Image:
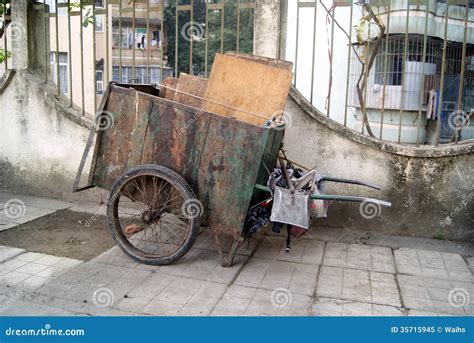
[(148, 214)]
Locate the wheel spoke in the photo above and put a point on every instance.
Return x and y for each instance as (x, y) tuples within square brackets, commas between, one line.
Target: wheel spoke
[(150, 208)]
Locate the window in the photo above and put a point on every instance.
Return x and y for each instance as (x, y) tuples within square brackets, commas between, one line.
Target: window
[(127, 38), (52, 6), (155, 39), (393, 72), (140, 38), (154, 75), (99, 79), (115, 73), (99, 23), (63, 70)]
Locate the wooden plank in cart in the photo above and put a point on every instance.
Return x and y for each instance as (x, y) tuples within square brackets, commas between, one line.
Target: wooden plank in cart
[(190, 84), (249, 86)]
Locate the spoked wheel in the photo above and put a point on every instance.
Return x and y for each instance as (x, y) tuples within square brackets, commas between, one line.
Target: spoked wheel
[(153, 214)]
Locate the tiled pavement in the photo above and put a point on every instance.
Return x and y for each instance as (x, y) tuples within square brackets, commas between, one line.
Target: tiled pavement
[(19, 209), (317, 278)]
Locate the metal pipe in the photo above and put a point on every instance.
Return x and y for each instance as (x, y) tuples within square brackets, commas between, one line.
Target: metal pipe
[(5, 45), (81, 41), (461, 77), (404, 71), (46, 39), (331, 61), (107, 52), (314, 49), (94, 67), (133, 41), (443, 70), (385, 68), (120, 42), (148, 41), (297, 36), (71, 101), (58, 81), (422, 85), (206, 46), (349, 53)]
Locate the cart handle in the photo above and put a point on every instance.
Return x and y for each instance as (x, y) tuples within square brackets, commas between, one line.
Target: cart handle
[(349, 198)]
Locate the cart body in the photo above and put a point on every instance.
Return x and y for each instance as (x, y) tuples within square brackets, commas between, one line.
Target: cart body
[(222, 159)]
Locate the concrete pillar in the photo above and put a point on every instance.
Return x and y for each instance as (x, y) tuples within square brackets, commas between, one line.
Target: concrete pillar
[(38, 34), (266, 40), (19, 29)]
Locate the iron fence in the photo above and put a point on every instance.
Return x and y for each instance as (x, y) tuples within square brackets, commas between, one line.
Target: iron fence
[(397, 70), (88, 43)]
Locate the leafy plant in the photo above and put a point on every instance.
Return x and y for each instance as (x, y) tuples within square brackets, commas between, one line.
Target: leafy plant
[(4, 54), (87, 14)]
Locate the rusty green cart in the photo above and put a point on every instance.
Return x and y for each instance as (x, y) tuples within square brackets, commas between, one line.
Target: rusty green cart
[(171, 168)]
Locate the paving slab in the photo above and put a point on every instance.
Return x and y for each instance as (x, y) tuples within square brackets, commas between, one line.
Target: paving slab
[(339, 307), (432, 264), (358, 285), (7, 253), (437, 295), (16, 209), (359, 256)]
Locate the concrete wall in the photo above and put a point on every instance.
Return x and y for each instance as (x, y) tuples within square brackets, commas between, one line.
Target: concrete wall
[(42, 140), (431, 189)]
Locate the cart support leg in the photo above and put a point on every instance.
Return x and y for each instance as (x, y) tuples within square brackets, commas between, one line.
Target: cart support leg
[(232, 252)]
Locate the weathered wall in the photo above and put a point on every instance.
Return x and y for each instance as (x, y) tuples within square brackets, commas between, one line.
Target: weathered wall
[(40, 147), (432, 189)]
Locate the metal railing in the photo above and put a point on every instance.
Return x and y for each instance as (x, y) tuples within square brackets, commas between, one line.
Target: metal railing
[(397, 70), (88, 43)]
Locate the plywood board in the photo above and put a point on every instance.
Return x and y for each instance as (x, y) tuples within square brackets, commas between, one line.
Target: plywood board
[(264, 60), (167, 87), (248, 91), (192, 85)]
